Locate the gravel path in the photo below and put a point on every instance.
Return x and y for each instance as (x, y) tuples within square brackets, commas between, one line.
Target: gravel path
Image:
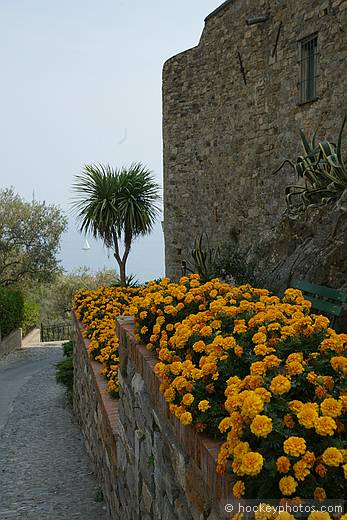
[(45, 473)]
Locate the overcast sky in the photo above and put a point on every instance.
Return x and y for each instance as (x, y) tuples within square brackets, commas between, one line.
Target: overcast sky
[(81, 83)]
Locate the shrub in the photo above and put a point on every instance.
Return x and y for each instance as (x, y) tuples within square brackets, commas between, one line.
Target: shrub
[(11, 310), (260, 373), (64, 369), (31, 316)]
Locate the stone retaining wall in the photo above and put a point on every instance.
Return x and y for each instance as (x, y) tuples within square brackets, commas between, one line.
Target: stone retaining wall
[(149, 465), (12, 342)]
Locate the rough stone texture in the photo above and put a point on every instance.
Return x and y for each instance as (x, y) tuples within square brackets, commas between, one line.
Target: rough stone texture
[(223, 138), (45, 473), (161, 470), (12, 342), (97, 413)]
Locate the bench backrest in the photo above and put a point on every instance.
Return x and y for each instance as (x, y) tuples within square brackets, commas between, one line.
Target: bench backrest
[(323, 299)]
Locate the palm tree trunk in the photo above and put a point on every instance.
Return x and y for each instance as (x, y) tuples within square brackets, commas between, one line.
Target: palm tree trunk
[(122, 274)]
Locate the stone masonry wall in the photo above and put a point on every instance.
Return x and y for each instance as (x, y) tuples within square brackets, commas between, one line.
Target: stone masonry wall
[(224, 133), (149, 465)]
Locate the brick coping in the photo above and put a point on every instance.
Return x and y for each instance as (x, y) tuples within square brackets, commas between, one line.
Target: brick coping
[(109, 405), (202, 449)]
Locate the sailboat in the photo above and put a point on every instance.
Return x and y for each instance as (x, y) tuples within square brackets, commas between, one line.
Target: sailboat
[(86, 246)]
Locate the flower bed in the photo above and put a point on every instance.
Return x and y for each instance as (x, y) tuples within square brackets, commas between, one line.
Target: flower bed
[(257, 371)]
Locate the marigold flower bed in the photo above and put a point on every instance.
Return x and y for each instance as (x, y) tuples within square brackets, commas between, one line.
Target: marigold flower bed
[(259, 372)]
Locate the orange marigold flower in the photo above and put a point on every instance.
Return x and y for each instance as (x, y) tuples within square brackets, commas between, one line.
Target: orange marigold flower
[(252, 463), (280, 385), (186, 418), (332, 457), (319, 494), (301, 470), (261, 426), (204, 405), (319, 515), (288, 485), (331, 407), (308, 416), (239, 489), (325, 426), (187, 399), (169, 395), (321, 470), (294, 446), (283, 464)]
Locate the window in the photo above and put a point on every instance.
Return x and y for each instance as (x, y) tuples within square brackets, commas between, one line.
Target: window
[(308, 59)]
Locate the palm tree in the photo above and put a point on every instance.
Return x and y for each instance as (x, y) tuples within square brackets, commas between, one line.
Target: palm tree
[(116, 205)]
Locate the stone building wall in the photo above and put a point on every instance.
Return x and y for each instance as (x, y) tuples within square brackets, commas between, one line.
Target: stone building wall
[(149, 466), (231, 114)]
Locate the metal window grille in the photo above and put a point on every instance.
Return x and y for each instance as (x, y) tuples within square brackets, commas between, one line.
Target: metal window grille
[(308, 68)]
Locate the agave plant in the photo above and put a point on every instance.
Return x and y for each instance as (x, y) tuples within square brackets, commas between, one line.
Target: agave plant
[(322, 170), (202, 259)]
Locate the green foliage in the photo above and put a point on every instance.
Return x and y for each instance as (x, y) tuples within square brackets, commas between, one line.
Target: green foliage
[(64, 369), (29, 239), (31, 316), (202, 259), (116, 206), (225, 262), (56, 297), (11, 310), (322, 170)]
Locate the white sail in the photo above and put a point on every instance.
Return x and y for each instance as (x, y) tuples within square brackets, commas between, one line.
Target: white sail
[(86, 246)]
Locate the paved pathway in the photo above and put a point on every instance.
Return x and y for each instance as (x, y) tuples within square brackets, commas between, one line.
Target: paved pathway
[(45, 473)]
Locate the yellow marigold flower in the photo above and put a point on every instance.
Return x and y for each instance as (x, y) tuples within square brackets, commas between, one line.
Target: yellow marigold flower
[(294, 368), (206, 331), (169, 395), (331, 407), (204, 405), (252, 405), (339, 363), (288, 485), (332, 457), (319, 515), (187, 399), (239, 489), (225, 424), (295, 406), (307, 416), (319, 494), (309, 458), (280, 385), (259, 337), (143, 315), (186, 418), (261, 426), (240, 326), (258, 368), (325, 426), (283, 464), (301, 470), (144, 329), (241, 449), (252, 463), (294, 446), (344, 467), (264, 394)]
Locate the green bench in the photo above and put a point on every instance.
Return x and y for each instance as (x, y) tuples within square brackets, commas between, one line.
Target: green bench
[(324, 299)]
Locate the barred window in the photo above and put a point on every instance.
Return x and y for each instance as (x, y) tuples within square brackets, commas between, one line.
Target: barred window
[(308, 59)]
